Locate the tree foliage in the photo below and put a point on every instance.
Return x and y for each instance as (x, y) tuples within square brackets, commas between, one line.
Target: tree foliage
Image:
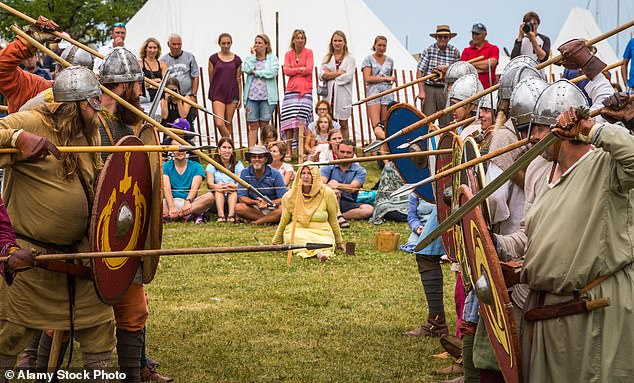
[(87, 21)]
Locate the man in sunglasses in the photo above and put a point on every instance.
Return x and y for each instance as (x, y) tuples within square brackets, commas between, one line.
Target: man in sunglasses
[(436, 59), (481, 47)]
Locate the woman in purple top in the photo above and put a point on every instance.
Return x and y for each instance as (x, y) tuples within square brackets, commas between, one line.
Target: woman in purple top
[(225, 83)]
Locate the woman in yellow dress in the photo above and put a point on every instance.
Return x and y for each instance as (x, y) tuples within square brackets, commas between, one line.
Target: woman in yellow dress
[(316, 215)]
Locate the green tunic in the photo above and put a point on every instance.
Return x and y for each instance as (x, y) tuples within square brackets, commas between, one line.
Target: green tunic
[(44, 206), (580, 228)]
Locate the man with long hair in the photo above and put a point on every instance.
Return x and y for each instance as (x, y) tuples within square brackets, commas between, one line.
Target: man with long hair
[(49, 202)]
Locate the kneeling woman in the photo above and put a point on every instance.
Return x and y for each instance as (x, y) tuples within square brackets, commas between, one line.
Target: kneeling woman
[(316, 215)]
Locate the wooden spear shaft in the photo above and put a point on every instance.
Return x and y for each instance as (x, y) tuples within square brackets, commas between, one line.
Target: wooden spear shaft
[(607, 68), (414, 82), (4, 109), (476, 96), (174, 252), (95, 53), (115, 149), (381, 157), (145, 117)]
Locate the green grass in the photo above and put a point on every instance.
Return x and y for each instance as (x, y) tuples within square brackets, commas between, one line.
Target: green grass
[(253, 318)]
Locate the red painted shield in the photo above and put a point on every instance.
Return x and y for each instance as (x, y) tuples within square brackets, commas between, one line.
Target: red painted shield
[(495, 305), (443, 186), (120, 219)]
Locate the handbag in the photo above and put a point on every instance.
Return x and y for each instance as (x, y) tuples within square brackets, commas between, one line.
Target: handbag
[(322, 89)]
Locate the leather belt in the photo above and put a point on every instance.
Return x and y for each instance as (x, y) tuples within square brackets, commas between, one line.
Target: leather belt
[(73, 269)]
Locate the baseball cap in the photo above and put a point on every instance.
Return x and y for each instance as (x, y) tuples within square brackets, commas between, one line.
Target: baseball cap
[(180, 123), (478, 28)]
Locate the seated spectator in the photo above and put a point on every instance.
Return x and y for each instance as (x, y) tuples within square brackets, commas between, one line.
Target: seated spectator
[(346, 180), (418, 212), (316, 217), (181, 181), (317, 137), (278, 151), (268, 134), (323, 108), (267, 181), (387, 208), (326, 152), (224, 189)]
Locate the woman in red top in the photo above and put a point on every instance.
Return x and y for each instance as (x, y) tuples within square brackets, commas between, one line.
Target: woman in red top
[(225, 83), (298, 98)]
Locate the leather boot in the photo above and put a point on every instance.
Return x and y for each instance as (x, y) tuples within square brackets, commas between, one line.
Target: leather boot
[(129, 353), (434, 327), (27, 360), (6, 363), (149, 374), (98, 361), (452, 344), (454, 369)]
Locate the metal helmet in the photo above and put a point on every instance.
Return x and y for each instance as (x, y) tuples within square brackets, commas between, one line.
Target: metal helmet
[(465, 87), (119, 66), (508, 78), (457, 70), (485, 102), (523, 100), (77, 56), (555, 99), (77, 83)]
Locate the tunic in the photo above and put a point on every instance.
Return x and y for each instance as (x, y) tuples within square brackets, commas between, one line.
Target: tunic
[(54, 210), (580, 228)]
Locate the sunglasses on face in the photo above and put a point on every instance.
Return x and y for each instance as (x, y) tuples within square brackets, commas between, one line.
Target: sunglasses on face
[(119, 25), (442, 37), (298, 31)]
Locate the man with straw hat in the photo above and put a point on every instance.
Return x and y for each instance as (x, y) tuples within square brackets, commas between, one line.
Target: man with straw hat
[(436, 59)]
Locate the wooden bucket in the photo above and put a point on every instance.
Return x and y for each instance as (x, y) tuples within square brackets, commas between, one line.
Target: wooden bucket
[(386, 240)]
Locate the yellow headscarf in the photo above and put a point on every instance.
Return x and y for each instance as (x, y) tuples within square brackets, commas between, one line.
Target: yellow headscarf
[(308, 203)]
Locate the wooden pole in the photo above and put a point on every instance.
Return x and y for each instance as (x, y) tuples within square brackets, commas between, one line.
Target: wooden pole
[(359, 109), (298, 195), (376, 158), (99, 55), (447, 128), (606, 69), (476, 96), (115, 149), (56, 346), (396, 89), (4, 108), (202, 85), (175, 252), (147, 118)]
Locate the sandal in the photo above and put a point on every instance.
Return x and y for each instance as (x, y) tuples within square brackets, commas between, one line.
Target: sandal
[(231, 219), (200, 219), (343, 223), (221, 219)]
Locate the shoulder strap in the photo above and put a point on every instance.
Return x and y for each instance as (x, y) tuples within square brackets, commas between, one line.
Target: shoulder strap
[(106, 127)]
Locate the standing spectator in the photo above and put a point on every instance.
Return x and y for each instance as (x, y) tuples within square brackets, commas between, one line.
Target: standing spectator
[(322, 108), (377, 74), (31, 65), (267, 181), (529, 42), (260, 90), (298, 99), (346, 180), (337, 71), (181, 181), (481, 47), (628, 81), (225, 83), (117, 39), (152, 68), (278, 152), (225, 189), (437, 57), (183, 66)]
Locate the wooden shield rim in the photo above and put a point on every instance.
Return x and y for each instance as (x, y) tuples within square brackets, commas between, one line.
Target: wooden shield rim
[(509, 362), (442, 214), (393, 144), (457, 228), (479, 176), (126, 140)]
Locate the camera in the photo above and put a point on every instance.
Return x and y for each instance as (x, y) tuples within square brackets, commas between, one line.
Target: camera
[(527, 27)]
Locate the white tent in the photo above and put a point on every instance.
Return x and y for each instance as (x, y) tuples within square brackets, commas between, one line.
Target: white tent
[(581, 24), (199, 22)]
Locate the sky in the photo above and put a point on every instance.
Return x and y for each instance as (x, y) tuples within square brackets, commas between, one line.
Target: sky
[(413, 20)]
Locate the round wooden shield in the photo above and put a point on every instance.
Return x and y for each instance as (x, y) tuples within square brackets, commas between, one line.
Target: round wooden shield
[(495, 305), (442, 190), (149, 136), (411, 169), (476, 174), (120, 218), (458, 179)]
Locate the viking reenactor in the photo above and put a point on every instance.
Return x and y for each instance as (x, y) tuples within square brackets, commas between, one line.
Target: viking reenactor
[(53, 216), (465, 87)]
